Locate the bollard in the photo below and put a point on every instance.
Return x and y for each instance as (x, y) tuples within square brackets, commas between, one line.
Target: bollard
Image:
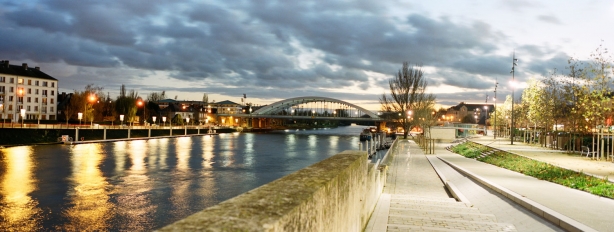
[(76, 132), (149, 132), (128, 132), (104, 134)]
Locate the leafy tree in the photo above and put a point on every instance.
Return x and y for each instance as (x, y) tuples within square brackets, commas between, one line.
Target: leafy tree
[(126, 104), (407, 94), (73, 106), (596, 101), (205, 98), (468, 119), (177, 119), (83, 102)]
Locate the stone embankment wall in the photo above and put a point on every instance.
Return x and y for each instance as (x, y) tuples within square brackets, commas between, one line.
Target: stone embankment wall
[(336, 194)]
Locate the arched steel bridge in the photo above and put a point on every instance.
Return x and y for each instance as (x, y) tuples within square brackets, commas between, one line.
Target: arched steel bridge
[(313, 108)]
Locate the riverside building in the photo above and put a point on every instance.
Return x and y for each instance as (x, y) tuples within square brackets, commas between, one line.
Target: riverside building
[(28, 89)]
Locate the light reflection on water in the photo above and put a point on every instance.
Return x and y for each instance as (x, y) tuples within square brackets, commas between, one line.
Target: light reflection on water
[(90, 208), (18, 209), (142, 185)]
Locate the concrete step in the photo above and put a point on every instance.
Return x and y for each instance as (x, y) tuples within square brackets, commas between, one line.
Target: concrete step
[(429, 202), (438, 224), (396, 209), (471, 216), (412, 213), (404, 196)]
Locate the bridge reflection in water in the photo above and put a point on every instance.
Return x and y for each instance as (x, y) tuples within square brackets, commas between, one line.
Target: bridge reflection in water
[(145, 184)]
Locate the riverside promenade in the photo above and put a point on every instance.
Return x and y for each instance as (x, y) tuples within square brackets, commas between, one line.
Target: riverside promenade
[(488, 198)]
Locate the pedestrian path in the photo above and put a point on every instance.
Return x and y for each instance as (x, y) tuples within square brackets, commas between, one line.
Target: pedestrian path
[(571, 207), (415, 199)]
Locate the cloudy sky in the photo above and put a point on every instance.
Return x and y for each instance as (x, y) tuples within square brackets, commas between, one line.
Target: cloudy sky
[(272, 50)]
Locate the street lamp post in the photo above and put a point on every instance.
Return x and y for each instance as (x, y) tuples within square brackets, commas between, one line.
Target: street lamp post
[(2, 106), (495, 109), (23, 114), (92, 99), (485, 119), (121, 120), (187, 120), (154, 119), (164, 120), (80, 116), (140, 103), (514, 60)]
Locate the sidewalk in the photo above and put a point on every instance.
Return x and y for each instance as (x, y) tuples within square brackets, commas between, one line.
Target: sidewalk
[(551, 199), (415, 199)]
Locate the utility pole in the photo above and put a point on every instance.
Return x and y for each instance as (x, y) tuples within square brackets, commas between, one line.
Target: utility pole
[(514, 60)]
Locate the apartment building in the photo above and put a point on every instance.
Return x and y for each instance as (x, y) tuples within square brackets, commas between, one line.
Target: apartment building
[(28, 89)]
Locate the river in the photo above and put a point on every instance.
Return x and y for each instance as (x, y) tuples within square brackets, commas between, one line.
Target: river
[(142, 185)]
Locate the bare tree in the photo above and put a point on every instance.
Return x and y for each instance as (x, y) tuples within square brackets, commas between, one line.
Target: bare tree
[(155, 96), (407, 94)]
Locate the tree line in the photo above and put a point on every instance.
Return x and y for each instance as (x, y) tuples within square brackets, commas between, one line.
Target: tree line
[(577, 100), (97, 106)]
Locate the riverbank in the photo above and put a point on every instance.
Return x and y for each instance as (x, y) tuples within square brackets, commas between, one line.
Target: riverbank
[(10, 137)]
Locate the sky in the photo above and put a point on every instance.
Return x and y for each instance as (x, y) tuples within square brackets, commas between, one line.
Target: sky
[(272, 50)]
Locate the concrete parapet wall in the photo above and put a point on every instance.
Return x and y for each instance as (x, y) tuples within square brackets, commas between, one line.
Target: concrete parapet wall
[(336, 194)]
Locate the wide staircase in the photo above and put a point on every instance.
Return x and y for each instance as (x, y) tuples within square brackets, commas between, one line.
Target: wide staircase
[(418, 213)]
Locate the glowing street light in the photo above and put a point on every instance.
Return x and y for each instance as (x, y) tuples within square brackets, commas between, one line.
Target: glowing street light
[(154, 119), (121, 119), (164, 120), (92, 99), (80, 116), (23, 114), (140, 103)]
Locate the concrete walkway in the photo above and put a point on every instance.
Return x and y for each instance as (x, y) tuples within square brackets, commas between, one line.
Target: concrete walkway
[(585, 208), (415, 199)]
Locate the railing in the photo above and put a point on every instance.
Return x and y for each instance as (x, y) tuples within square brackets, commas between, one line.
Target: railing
[(8, 124), (427, 144)]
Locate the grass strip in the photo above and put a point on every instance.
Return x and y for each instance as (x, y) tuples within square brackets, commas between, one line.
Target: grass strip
[(538, 169)]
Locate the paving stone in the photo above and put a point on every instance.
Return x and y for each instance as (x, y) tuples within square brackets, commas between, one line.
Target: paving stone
[(419, 202), (444, 214)]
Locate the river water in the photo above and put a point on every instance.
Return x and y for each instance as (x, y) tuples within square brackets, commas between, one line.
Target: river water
[(143, 185)]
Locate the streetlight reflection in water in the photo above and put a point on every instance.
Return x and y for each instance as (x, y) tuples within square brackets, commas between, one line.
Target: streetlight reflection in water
[(143, 185), (18, 209), (88, 191)]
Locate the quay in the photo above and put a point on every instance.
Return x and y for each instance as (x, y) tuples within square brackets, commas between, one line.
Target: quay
[(62, 134), (413, 191)]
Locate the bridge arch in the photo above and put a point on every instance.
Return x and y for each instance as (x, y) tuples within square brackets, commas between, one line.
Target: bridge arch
[(312, 103)]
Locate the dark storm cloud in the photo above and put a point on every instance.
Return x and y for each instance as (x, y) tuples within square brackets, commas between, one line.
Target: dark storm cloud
[(484, 65), (543, 67), (283, 45)]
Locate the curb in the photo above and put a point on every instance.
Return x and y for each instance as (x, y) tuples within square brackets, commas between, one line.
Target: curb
[(556, 218), (451, 187)]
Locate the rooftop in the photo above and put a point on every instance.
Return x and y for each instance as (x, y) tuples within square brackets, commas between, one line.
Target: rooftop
[(23, 70)]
